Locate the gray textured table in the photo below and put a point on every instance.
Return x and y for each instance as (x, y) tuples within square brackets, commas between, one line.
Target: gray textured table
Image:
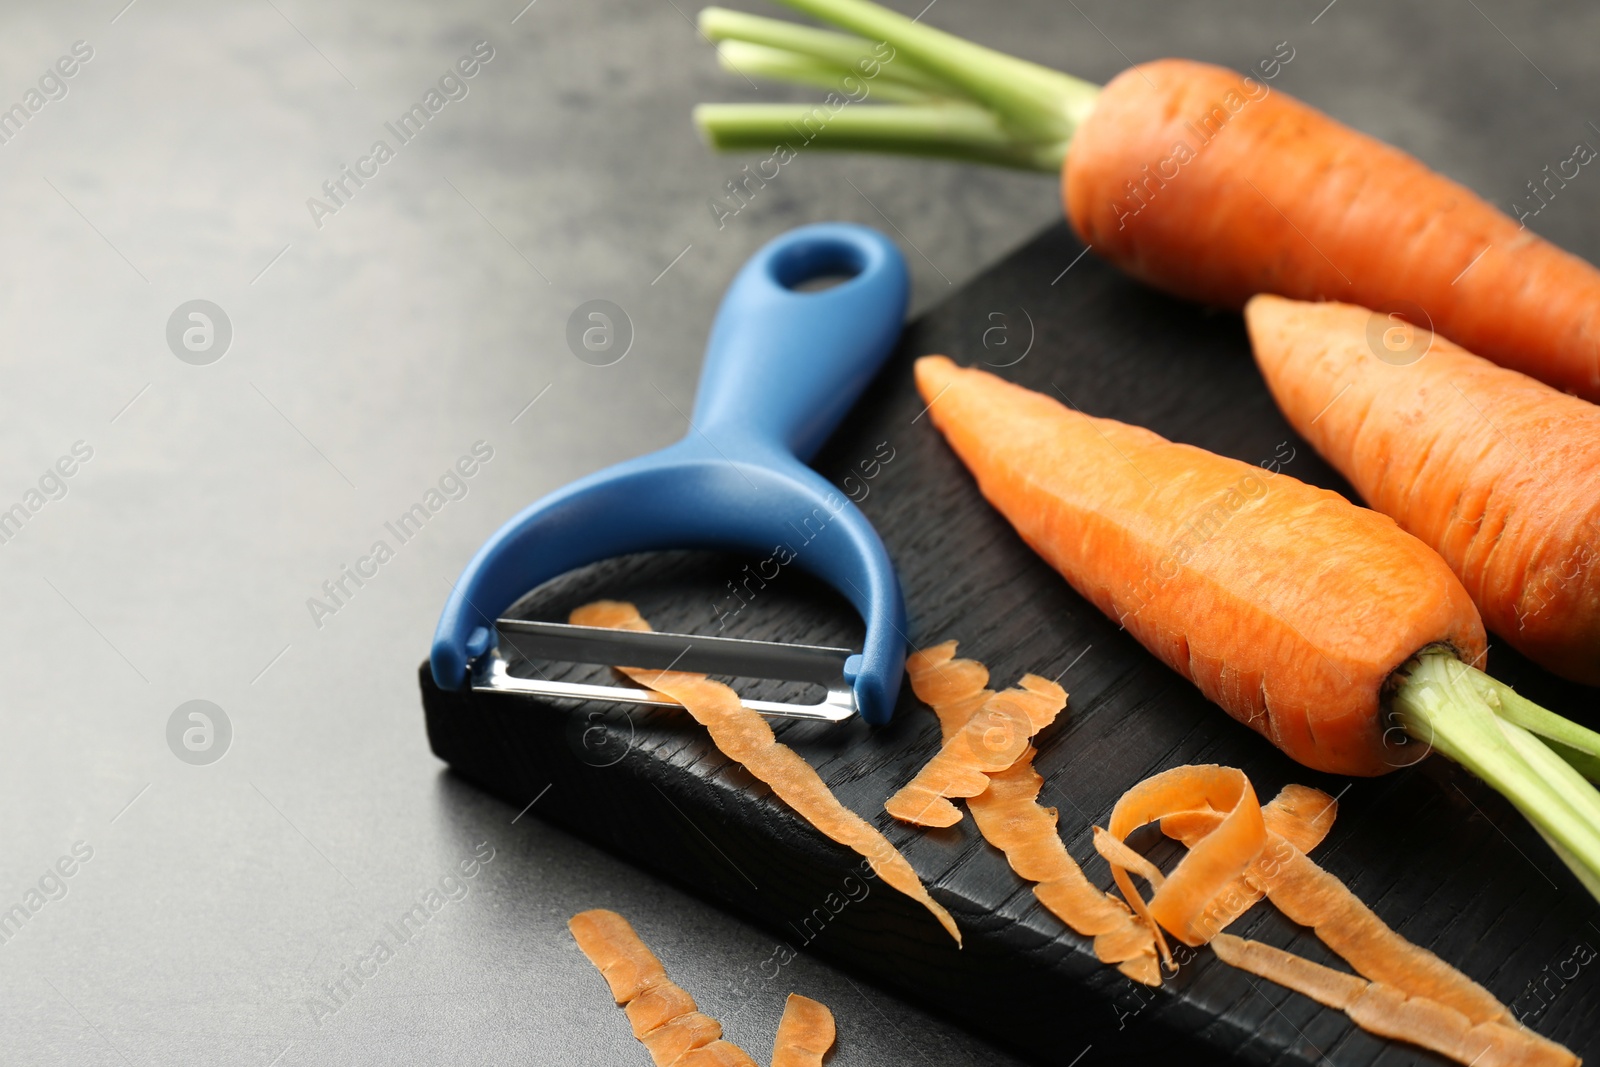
[(371, 342)]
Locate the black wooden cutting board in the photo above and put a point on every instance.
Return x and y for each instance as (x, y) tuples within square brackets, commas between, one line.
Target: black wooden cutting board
[(1439, 855)]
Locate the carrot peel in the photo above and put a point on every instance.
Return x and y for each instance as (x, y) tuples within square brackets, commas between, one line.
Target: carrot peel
[(1214, 861), (1383, 1010), (805, 1033), (662, 1014), (991, 740), (744, 737)]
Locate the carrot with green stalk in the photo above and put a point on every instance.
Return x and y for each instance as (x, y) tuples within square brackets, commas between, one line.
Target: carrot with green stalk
[(1193, 178), (1320, 624)]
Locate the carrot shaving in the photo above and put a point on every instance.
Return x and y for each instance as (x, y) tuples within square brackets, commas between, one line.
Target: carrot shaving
[(716, 1054), (1300, 815), (1312, 897), (744, 737), (953, 688), (663, 1016), (805, 1033), (1388, 1012), (1403, 991), (1011, 819), (1213, 862), (992, 739)]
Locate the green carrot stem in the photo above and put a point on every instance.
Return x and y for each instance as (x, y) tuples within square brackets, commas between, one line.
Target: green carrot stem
[(1442, 702), (1035, 100), (758, 60), (951, 131), (844, 52), (1576, 744)]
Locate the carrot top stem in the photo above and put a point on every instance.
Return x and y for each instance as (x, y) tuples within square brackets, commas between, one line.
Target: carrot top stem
[(780, 64), (842, 53), (949, 131), (1461, 712), (1576, 744), (1032, 110)]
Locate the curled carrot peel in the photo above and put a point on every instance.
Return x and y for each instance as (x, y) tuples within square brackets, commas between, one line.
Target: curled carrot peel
[(663, 1016), (1214, 861), (1388, 1012), (992, 739), (1299, 815), (805, 1033), (1404, 991), (744, 737)]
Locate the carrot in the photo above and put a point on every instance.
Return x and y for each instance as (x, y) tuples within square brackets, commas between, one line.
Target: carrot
[(663, 1016), (1193, 178), (1305, 617), (805, 1033), (1497, 472), (1203, 559), (744, 737)]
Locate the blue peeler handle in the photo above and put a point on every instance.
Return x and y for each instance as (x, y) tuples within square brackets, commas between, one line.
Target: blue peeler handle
[(782, 368)]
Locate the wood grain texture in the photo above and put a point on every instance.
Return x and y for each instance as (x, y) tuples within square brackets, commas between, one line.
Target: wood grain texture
[(1437, 854)]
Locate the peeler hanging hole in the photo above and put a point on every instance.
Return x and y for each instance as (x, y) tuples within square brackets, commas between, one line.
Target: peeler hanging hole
[(816, 266)]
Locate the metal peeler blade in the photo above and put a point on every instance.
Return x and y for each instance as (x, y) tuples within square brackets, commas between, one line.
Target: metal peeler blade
[(739, 658)]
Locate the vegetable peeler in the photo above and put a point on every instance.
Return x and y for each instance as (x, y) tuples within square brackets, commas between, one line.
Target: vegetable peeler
[(782, 367)]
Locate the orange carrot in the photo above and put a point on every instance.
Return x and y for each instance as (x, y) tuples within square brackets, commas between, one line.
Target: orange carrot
[(1306, 617), (1200, 181), (1279, 198), (744, 737), (1497, 472), (1284, 603)]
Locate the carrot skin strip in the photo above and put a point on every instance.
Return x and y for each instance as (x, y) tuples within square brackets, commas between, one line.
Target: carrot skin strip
[(1285, 604), (1382, 1010), (1010, 818), (662, 1014), (673, 1039), (1299, 815), (744, 737), (1497, 472), (717, 1054), (953, 688), (1213, 862), (991, 740), (805, 1033), (1310, 896)]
